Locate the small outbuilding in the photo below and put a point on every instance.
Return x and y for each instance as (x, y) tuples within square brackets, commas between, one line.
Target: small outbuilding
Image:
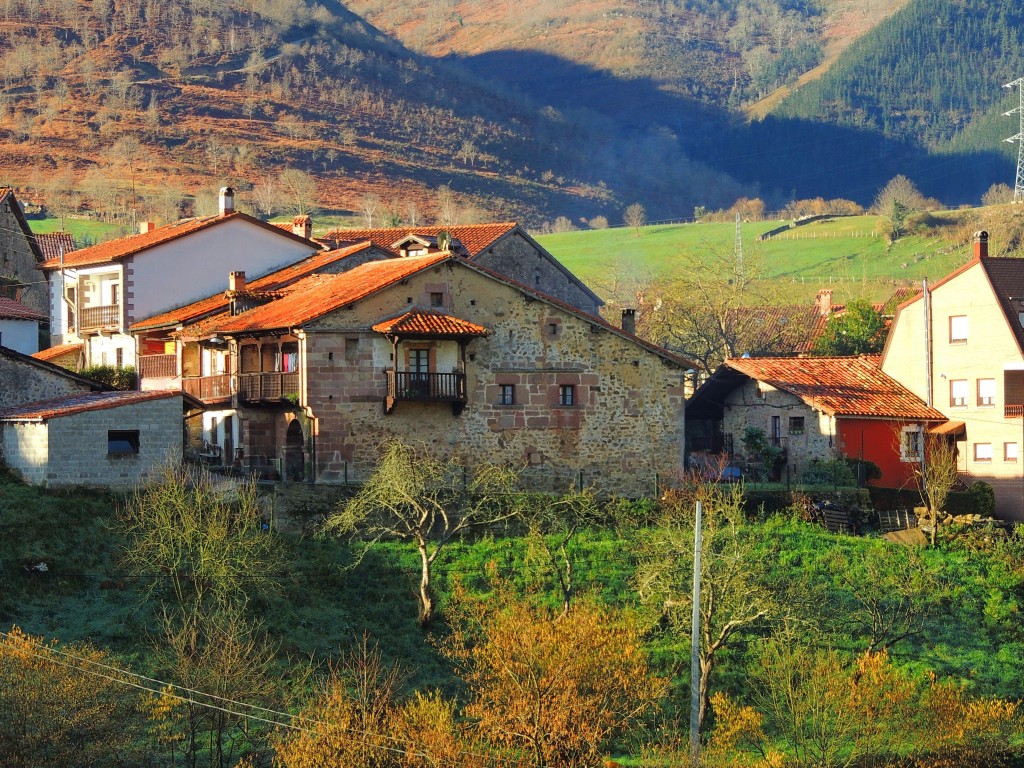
[(105, 439)]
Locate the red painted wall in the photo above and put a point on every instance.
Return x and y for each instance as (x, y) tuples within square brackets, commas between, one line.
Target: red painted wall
[(876, 440)]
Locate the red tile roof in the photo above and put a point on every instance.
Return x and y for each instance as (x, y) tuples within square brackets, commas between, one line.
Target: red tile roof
[(426, 322), (271, 281), (50, 243), (12, 310), (58, 351), (841, 386), (123, 247), (317, 295), (43, 410), (473, 237)]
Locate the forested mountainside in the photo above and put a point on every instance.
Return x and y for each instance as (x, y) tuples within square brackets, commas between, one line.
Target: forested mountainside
[(531, 111)]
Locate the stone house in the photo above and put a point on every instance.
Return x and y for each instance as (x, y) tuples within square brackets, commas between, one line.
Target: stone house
[(815, 408), (19, 326), (20, 280), (109, 439), (96, 293), (24, 379), (505, 248), (436, 348), (960, 346)]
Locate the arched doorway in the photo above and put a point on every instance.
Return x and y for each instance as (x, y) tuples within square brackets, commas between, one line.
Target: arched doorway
[(294, 452)]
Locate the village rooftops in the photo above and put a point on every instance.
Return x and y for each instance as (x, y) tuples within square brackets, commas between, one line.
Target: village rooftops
[(839, 386), (273, 281), (52, 244), (44, 410), (473, 239), (53, 353), (124, 247), (12, 310)]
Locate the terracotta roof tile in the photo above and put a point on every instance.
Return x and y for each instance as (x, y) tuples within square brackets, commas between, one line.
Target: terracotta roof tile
[(123, 247), (43, 410), (843, 386), (58, 351), (12, 310), (50, 243), (317, 295), (426, 322), (271, 281), (473, 237)]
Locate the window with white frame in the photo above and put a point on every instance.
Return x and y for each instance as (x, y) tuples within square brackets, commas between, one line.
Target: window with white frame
[(957, 329), (910, 443), (958, 391), (986, 391), (1009, 452), (983, 452)]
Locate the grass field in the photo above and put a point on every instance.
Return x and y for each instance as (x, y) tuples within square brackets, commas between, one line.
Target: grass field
[(84, 231), (845, 254)]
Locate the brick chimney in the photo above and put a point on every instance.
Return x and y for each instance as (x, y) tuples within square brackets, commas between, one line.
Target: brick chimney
[(227, 201), (145, 227), (236, 281), (629, 320), (302, 226), (981, 244), (824, 302)]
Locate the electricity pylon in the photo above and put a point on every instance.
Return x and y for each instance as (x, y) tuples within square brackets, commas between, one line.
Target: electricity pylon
[(1018, 187)]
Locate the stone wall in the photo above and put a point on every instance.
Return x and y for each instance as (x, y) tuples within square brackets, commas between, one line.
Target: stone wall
[(623, 430), (75, 446), (23, 381), (516, 257), (18, 262)]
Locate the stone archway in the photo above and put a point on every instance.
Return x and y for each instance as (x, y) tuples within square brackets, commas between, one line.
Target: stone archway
[(294, 452)]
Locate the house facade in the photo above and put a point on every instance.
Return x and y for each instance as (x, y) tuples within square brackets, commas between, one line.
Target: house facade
[(20, 326), (20, 255), (98, 292), (959, 346), (814, 408), (439, 350), (24, 379)]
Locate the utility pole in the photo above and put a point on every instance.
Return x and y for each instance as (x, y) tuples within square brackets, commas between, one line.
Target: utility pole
[(695, 642), (739, 244), (1018, 187)]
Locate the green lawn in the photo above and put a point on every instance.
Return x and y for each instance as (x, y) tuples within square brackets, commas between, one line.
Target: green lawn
[(845, 254), (84, 231)]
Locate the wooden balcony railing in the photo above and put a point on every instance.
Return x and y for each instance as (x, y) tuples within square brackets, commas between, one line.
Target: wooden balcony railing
[(158, 366), (425, 388), (267, 386), (208, 389), (105, 316), (1013, 411)]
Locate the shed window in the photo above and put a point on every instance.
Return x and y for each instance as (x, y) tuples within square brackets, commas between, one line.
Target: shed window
[(507, 394), (566, 394), (121, 442), (796, 425)]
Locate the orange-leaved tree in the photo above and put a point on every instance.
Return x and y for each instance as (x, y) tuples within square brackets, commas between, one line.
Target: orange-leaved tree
[(551, 690)]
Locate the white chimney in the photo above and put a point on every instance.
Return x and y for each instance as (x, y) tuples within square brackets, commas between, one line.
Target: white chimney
[(236, 281), (824, 302), (145, 227), (227, 200)]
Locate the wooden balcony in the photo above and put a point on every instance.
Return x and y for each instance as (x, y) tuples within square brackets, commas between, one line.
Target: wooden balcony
[(1013, 411), (158, 366), (426, 388), (208, 389), (104, 316), (268, 387)]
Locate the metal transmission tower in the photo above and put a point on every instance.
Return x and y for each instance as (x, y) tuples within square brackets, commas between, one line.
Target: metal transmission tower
[(1018, 187)]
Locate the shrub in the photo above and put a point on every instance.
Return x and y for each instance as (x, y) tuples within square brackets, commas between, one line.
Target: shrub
[(982, 498), (829, 472), (112, 376)]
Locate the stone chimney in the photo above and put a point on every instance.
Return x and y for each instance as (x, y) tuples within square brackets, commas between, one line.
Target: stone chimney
[(629, 320), (236, 281), (302, 226), (981, 244), (823, 302), (227, 201), (145, 227)]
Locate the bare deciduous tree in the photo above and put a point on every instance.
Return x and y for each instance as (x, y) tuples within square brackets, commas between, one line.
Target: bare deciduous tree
[(635, 217)]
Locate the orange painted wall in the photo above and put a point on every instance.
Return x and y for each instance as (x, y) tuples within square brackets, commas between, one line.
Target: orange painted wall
[(875, 440)]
